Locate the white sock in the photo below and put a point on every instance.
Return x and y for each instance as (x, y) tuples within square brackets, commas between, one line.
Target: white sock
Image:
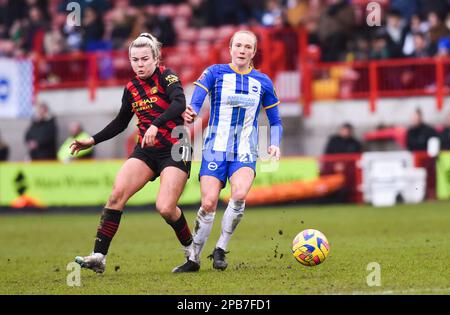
[(230, 220), (202, 229)]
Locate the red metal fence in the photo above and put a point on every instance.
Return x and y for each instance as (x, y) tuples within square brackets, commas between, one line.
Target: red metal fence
[(278, 50), (372, 80)]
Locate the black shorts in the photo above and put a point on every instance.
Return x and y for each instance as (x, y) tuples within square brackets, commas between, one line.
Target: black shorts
[(157, 160)]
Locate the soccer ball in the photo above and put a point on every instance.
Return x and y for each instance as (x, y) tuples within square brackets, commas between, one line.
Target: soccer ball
[(310, 247)]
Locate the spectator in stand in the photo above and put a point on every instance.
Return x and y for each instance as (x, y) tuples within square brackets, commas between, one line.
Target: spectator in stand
[(416, 25), (444, 135), (252, 11), (427, 6), (76, 133), (120, 25), (444, 46), (199, 13), (4, 150), (297, 13), (336, 25), (18, 38), (273, 13), (312, 22), (344, 141), (379, 47), (224, 12), (92, 30), (413, 77), (419, 133), (408, 8), (444, 51), (360, 49), (438, 29), (43, 6), (4, 20), (396, 31), (54, 41), (421, 48), (161, 27), (8, 14), (72, 35), (34, 30), (138, 25), (11, 11), (41, 136)]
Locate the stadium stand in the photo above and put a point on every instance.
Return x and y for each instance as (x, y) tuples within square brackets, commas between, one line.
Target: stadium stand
[(406, 56)]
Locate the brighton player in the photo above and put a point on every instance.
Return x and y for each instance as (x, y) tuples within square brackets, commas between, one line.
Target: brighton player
[(237, 93), (156, 97)]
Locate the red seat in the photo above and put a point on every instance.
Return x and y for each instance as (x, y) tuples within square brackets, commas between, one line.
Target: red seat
[(183, 10), (180, 24), (207, 34), (168, 10), (225, 31), (189, 35), (397, 134)]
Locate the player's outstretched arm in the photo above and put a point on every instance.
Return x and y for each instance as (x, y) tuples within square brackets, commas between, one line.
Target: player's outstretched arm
[(192, 110), (276, 132), (82, 144)]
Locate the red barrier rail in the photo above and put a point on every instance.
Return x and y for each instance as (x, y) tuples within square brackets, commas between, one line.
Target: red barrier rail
[(279, 50), (376, 79), (101, 69), (188, 59)]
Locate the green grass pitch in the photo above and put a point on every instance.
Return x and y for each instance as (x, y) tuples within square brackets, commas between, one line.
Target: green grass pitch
[(411, 243)]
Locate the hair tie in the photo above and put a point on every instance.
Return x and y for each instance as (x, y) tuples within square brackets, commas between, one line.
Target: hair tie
[(145, 35)]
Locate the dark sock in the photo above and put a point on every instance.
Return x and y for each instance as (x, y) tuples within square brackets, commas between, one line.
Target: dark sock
[(181, 229), (109, 223)]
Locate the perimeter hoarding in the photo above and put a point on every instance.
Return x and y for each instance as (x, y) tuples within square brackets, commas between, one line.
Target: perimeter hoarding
[(87, 183), (443, 176)]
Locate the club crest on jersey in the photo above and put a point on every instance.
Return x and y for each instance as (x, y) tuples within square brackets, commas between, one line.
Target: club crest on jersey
[(171, 78), (154, 90), (212, 166)]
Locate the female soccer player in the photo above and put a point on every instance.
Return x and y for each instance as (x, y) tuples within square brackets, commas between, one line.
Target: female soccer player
[(156, 97), (237, 92)]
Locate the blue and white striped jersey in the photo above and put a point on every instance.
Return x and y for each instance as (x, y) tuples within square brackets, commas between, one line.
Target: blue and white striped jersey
[(236, 99)]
